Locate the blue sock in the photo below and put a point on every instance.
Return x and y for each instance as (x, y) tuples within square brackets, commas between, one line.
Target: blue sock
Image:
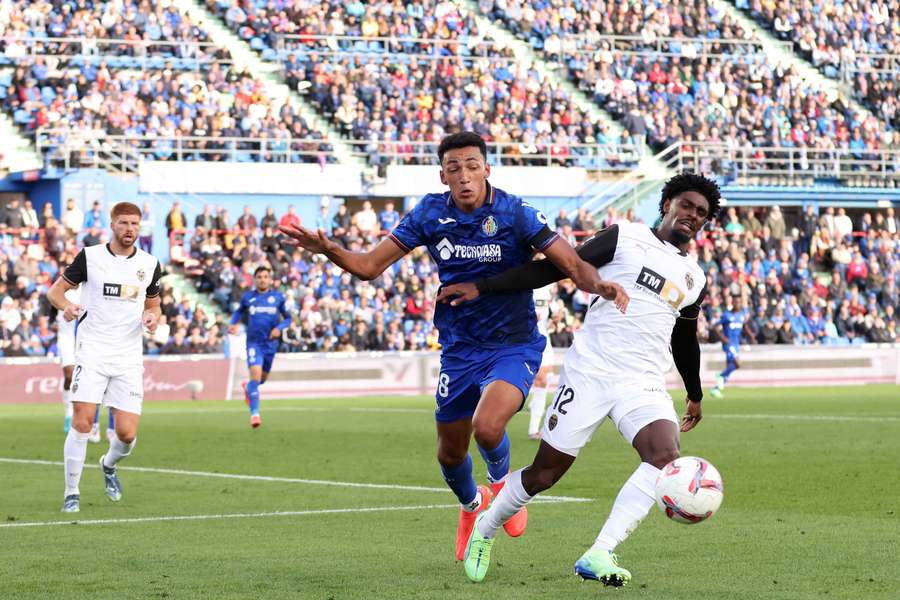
[(112, 420), (253, 392), (729, 369), (97, 414), (460, 480), (497, 459)]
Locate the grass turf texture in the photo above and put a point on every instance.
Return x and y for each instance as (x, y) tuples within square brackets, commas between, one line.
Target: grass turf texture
[(810, 511)]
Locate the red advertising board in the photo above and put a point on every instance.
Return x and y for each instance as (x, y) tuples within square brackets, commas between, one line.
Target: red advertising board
[(23, 381)]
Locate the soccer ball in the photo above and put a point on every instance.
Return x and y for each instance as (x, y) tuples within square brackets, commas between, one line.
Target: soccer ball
[(689, 490)]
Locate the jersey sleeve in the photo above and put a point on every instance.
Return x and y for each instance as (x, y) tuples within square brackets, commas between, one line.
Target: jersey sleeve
[(600, 249), (410, 232), (285, 315), (597, 251), (693, 311), (153, 288), (533, 227), (686, 355), (239, 311), (76, 272)]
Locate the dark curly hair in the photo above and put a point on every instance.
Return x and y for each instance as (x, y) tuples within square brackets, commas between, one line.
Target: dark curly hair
[(692, 182)]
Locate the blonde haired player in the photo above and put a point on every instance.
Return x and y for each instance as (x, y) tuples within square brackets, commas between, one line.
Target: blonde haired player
[(538, 402), (119, 297)]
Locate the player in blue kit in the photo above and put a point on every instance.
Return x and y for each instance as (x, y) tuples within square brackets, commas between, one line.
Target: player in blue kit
[(266, 317), (491, 348), (730, 328)]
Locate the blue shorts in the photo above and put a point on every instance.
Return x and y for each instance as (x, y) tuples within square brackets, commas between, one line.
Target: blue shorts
[(465, 373), (258, 355), (731, 353)]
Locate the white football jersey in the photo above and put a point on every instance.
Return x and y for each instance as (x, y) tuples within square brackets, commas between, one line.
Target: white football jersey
[(661, 282), (542, 297), (113, 291)]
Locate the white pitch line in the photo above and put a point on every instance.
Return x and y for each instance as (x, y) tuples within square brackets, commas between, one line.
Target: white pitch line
[(288, 513), (776, 417), (350, 484)]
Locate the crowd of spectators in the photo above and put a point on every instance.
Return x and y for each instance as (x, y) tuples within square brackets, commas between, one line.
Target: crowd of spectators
[(140, 29), (815, 277), (396, 92), (393, 94), (710, 91), (832, 280), (168, 114), (842, 38), (274, 27), (523, 116)]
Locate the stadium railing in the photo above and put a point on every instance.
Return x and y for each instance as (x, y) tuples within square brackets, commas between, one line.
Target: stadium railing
[(880, 167), (67, 148), (117, 53), (466, 45)]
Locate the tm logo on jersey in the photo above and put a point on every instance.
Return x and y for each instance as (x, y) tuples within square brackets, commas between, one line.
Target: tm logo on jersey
[(667, 291), (117, 290), (481, 253)]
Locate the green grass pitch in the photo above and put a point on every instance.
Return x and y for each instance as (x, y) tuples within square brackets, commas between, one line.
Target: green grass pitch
[(810, 512)]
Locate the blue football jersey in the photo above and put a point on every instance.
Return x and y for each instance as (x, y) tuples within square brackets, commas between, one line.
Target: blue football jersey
[(503, 233), (732, 325), (262, 312)]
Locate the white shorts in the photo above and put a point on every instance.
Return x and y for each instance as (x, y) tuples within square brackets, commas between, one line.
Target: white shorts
[(122, 390), (65, 342), (582, 402), (548, 358)]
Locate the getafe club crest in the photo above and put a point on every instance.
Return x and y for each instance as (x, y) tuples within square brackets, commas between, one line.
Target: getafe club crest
[(689, 281), (489, 226), (141, 274)]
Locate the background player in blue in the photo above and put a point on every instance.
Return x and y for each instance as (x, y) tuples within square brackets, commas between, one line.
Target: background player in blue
[(730, 328), (491, 348), (264, 313)]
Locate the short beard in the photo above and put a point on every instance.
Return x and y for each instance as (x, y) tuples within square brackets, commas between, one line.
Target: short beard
[(680, 238)]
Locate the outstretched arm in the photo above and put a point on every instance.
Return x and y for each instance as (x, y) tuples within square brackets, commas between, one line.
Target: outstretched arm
[(596, 252), (365, 265), (686, 354)]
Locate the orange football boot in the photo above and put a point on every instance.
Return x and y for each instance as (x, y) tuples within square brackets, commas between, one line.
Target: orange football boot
[(467, 522)]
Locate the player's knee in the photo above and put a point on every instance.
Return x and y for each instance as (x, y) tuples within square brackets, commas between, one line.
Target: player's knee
[(451, 457), (82, 424), (662, 456), (488, 433)]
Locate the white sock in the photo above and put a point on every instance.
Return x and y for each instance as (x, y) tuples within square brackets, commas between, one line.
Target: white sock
[(67, 400), (632, 504), (74, 451), (536, 407), (117, 451), (508, 502), (474, 504)]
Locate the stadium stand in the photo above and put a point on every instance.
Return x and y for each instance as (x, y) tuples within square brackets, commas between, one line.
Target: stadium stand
[(684, 71), (858, 42)]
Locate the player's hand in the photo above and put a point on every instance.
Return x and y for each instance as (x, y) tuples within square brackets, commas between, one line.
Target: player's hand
[(233, 329), (149, 320), (693, 415), (609, 290), (314, 241), (457, 293), (275, 334), (73, 311), (587, 278)]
